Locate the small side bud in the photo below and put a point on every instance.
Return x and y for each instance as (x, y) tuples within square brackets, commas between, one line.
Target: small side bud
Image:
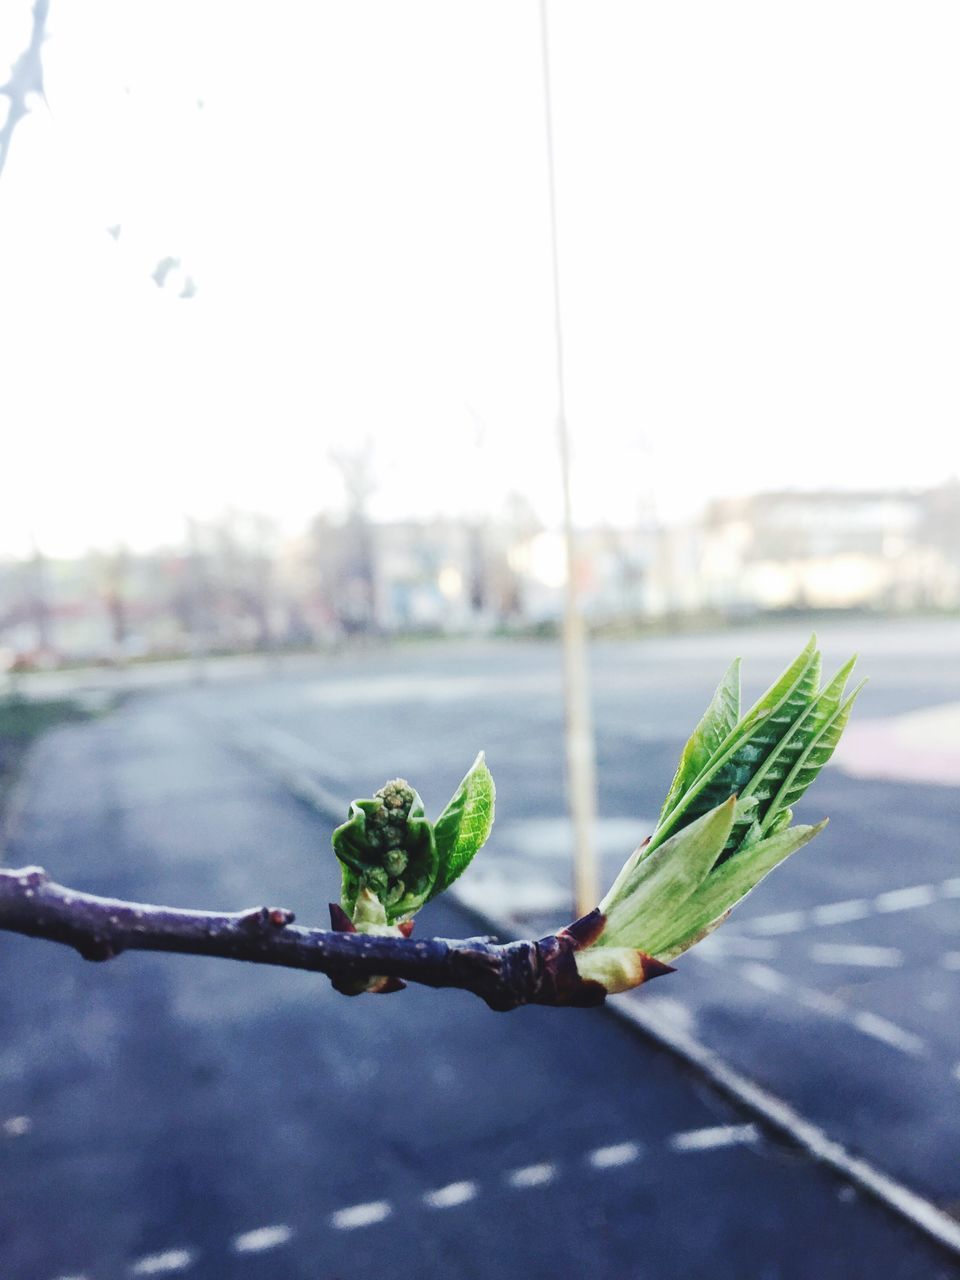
[(340, 922)]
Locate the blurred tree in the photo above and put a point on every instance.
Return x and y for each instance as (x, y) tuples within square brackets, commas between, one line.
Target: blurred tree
[(356, 587)]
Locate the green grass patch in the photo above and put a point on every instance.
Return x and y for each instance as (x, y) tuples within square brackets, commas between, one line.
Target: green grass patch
[(23, 719)]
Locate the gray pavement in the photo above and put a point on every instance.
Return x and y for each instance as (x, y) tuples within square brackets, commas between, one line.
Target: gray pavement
[(163, 1115), (836, 984)]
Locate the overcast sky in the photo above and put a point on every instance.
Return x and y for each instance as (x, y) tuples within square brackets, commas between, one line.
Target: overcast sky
[(758, 208)]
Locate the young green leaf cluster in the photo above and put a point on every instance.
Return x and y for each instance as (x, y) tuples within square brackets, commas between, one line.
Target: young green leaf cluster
[(726, 819), (726, 823), (394, 859)]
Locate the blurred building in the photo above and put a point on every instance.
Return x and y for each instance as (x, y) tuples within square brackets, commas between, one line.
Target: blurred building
[(237, 585), (893, 550)]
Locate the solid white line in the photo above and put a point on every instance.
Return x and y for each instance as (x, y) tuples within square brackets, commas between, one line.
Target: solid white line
[(613, 1157), (766, 978), (848, 953), (449, 1197), (951, 960), (533, 1175), (917, 895), (360, 1215), (784, 922), (724, 1135), (873, 1025), (292, 775), (159, 1264), (841, 912), (937, 1224), (262, 1238)]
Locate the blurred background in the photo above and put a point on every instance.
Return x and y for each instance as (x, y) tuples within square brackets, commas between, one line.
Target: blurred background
[(281, 515), (277, 331)]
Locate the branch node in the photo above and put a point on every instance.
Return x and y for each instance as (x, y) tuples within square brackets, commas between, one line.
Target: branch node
[(97, 949), (266, 919)]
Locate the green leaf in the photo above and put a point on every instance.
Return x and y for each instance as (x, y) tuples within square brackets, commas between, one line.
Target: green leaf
[(718, 721), (815, 754), (807, 729), (726, 885), (657, 886), (734, 762), (463, 827)]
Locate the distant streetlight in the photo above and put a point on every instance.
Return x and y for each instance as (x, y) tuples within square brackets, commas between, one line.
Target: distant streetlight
[(580, 749)]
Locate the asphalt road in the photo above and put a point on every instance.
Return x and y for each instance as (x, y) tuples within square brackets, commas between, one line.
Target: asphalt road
[(165, 1115)]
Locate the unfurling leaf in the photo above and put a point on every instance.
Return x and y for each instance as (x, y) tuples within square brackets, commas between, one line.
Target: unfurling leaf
[(718, 722), (735, 760), (711, 848), (658, 885)]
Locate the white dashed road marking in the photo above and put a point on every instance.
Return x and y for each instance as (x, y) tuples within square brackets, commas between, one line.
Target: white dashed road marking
[(951, 960), (360, 1215), (762, 976), (915, 895), (821, 1002), (869, 1023), (449, 1197), (720, 946), (873, 1025), (534, 1175), (918, 895), (841, 912), (262, 1238), (869, 957), (784, 922), (724, 1135), (613, 1157), (17, 1126), (163, 1264)]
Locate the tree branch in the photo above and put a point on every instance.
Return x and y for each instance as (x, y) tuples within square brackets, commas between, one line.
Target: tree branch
[(26, 77), (505, 976)]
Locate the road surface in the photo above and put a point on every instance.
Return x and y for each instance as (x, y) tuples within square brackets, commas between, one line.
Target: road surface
[(166, 1115)]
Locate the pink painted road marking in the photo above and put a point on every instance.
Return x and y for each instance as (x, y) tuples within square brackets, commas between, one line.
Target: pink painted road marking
[(922, 746)]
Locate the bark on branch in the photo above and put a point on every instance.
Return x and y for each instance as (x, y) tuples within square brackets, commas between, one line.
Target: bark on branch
[(505, 976)]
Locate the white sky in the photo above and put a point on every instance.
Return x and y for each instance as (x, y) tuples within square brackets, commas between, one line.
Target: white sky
[(758, 207)]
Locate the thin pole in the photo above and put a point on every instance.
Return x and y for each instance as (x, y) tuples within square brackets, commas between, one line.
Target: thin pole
[(581, 755)]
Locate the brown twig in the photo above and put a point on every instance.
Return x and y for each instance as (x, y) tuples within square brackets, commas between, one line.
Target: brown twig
[(505, 976)]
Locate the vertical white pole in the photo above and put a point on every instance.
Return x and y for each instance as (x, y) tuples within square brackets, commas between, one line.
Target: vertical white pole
[(581, 758)]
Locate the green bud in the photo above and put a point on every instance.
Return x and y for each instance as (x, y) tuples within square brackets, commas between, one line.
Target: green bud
[(395, 861), (397, 797), (384, 838)]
